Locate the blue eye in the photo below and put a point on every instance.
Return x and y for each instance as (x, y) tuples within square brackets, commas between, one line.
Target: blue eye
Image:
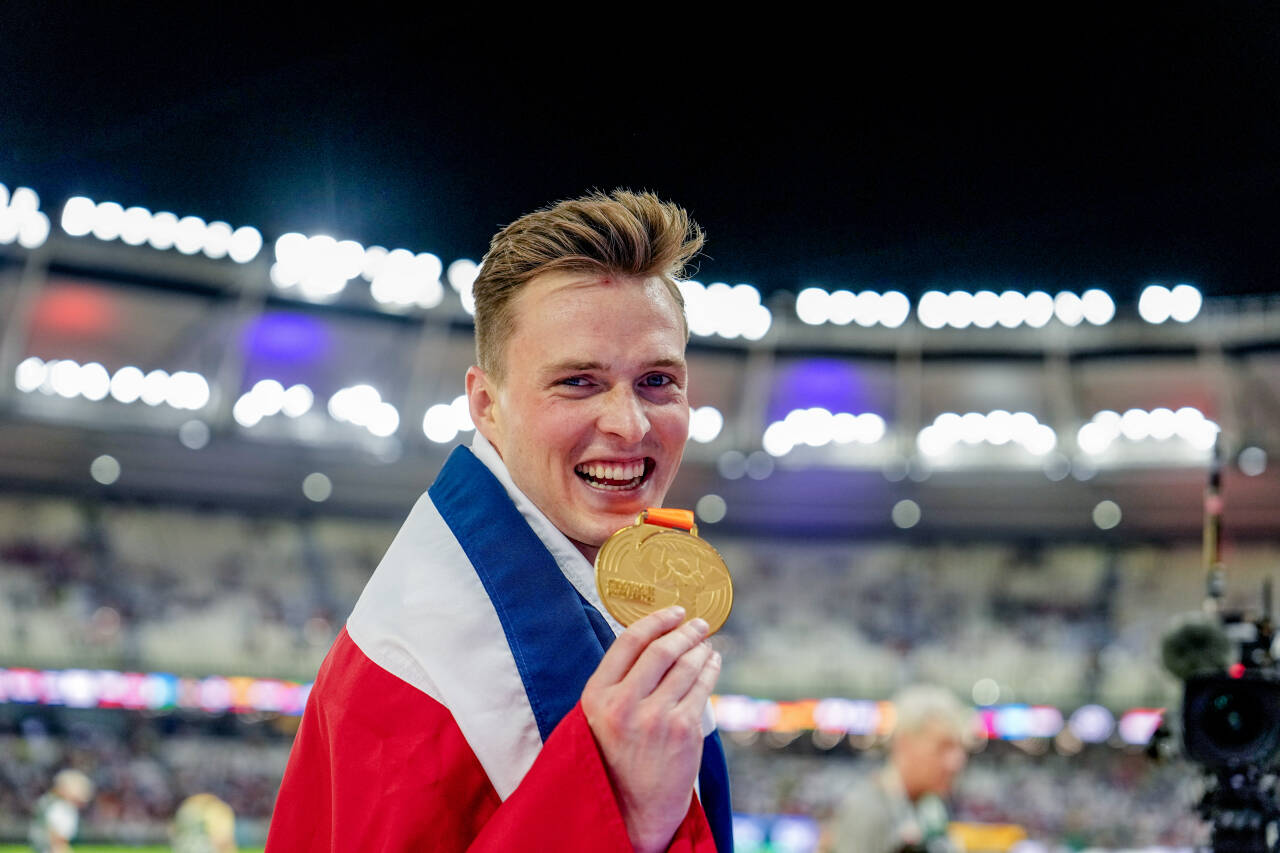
[(575, 381), (656, 380)]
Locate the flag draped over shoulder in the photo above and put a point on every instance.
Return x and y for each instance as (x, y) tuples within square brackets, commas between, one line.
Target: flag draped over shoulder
[(446, 716)]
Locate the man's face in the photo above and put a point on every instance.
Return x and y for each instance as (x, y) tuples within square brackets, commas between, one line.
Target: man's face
[(591, 415), (929, 759)]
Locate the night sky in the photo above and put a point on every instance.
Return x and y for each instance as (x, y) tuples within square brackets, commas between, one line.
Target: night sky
[(1019, 151)]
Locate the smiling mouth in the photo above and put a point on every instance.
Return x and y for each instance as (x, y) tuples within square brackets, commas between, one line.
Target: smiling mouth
[(615, 477)]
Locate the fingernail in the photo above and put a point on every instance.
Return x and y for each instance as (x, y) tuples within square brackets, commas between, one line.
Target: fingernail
[(700, 625), (715, 659), (676, 610)]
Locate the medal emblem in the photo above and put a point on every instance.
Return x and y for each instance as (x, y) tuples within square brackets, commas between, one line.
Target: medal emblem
[(660, 561)]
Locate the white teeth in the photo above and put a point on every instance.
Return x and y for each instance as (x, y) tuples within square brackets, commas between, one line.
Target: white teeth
[(629, 475)]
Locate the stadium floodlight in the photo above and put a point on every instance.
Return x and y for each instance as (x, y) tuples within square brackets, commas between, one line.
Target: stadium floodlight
[(95, 382), (869, 428), (705, 423), (1162, 424), (126, 384), (1038, 309), (298, 400), (384, 420), (1134, 424), (1184, 303), (1154, 304), (155, 387), (135, 225), (985, 309), (33, 231), (894, 309), (842, 306), (931, 310), (777, 440), (24, 200), (812, 306), (1068, 308), (246, 411), (973, 428), (64, 377), (77, 216), (438, 424), (246, 242), (187, 390), (217, 240), (30, 374), (960, 309), (1011, 311), (164, 231), (999, 428), (108, 220), (1099, 308)]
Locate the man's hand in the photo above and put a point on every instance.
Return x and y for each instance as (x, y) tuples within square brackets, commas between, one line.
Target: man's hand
[(644, 706)]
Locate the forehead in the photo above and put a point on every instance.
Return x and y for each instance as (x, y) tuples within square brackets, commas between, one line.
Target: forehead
[(582, 307)]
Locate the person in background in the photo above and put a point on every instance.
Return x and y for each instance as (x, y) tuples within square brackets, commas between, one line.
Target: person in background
[(57, 814), (900, 806), (204, 824)]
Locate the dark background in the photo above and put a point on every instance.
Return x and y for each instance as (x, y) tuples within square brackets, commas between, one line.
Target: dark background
[(1061, 147)]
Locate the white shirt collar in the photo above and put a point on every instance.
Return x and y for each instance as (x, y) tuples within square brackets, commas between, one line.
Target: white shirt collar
[(572, 564)]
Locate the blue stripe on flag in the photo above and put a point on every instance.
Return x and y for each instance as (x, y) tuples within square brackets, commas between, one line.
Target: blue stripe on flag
[(554, 646)]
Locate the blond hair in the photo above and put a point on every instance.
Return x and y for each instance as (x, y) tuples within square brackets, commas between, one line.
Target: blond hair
[(920, 705), (620, 233)]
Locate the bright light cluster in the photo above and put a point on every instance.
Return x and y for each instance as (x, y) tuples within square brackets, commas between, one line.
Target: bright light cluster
[(817, 426), (21, 218), (997, 428), (1158, 304), (462, 275), (444, 421), (137, 226), (730, 312), (400, 278), (1187, 423), (319, 267), (816, 306), (363, 406), (705, 423), (268, 398), (66, 378), (985, 309)]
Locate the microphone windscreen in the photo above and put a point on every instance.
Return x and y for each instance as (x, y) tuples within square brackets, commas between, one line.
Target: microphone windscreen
[(1195, 648)]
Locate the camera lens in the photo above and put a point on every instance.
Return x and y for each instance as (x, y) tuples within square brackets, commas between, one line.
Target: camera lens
[(1234, 720)]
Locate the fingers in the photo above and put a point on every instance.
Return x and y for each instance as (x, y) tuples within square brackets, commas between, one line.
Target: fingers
[(631, 643), (683, 674), (662, 654), (703, 686)]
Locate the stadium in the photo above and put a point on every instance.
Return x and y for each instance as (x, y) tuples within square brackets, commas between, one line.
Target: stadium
[(949, 458)]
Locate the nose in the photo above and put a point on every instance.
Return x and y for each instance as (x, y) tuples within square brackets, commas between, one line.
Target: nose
[(622, 414)]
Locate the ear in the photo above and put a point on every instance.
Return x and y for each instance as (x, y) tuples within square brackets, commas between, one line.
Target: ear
[(482, 401)]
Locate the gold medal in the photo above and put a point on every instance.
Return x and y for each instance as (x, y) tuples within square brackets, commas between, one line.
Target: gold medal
[(660, 561)]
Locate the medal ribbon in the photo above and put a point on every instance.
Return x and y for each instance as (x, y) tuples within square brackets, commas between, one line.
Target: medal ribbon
[(681, 519)]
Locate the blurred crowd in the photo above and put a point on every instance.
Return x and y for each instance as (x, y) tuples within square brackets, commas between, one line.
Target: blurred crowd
[(142, 767), (201, 591)]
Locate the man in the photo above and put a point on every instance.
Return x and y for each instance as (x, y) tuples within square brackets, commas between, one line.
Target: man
[(900, 806), (477, 698), (57, 814)]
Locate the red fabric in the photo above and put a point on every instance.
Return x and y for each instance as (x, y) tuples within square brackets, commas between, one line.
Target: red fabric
[(379, 765)]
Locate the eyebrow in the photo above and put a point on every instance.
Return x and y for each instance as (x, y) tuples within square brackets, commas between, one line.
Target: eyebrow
[(584, 366)]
